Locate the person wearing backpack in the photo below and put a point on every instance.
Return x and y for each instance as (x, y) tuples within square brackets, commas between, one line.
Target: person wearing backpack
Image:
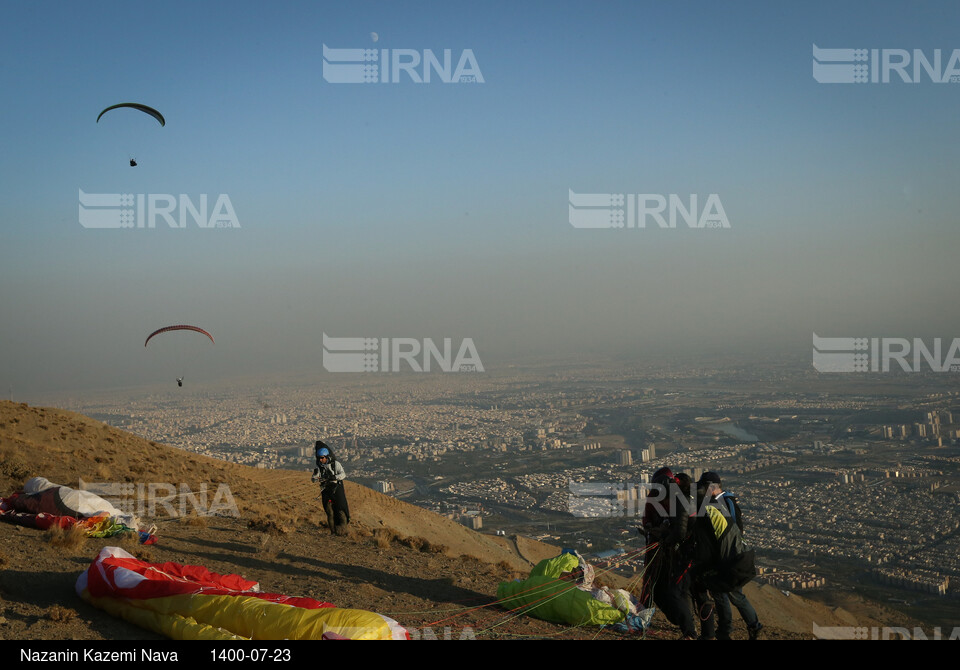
[(725, 564), (331, 474)]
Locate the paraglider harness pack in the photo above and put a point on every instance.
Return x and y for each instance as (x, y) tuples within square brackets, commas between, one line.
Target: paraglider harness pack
[(328, 480), (723, 563)]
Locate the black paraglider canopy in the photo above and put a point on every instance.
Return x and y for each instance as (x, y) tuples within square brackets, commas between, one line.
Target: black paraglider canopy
[(136, 105)]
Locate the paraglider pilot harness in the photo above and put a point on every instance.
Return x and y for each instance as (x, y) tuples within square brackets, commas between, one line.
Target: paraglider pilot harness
[(328, 481)]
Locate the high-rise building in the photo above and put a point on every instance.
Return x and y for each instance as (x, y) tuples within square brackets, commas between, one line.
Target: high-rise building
[(624, 457), (472, 522)]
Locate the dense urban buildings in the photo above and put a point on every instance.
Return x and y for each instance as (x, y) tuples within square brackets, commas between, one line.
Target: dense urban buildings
[(846, 481)]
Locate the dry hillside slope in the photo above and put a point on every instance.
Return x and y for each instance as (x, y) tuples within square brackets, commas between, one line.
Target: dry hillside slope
[(422, 569)]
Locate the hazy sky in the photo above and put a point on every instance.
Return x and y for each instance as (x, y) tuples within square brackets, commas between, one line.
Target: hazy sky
[(441, 210)]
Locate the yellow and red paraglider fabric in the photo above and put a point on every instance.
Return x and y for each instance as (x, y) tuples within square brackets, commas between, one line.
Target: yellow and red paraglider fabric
[(189, 602)]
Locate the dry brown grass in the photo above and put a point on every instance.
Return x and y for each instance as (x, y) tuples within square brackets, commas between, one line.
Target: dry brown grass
[(73, 538), (429, 547), (195, 520), (13, 465), (361, 531), (472, 564), (130, 542), (269, 519), (383, 538), (59, 614), (266, 524), (127, 541), (144, 554)]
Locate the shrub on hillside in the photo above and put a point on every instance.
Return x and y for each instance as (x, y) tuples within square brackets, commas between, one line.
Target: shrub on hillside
[(384, 537), (72, 538), (12, 465), (60, 614)]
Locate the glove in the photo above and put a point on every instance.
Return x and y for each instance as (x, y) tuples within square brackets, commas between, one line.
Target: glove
[(315, 477)]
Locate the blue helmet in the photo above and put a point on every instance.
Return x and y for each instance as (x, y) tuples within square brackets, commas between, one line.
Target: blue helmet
[(323, 451)]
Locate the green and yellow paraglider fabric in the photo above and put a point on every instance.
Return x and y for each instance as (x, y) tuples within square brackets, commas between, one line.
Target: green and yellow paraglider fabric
[(189, 602), (559, 590)]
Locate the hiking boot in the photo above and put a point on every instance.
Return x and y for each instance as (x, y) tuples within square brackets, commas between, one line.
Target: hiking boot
[(754, 631), (328, 508)]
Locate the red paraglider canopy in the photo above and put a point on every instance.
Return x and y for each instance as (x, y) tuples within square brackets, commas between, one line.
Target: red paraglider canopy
[(180, 327)]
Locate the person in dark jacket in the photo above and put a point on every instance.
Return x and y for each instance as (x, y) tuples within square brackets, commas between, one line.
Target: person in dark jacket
[(703, 605), (665, 521), (711, 489), (330, 473)]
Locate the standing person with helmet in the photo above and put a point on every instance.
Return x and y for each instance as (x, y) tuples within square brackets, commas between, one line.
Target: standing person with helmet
[(330, 474)]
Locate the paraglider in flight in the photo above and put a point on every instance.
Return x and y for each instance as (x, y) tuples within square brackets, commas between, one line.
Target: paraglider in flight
[(135, 105), (140, 108), (178, 327)]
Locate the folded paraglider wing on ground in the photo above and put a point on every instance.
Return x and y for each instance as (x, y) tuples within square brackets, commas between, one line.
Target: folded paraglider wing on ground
[(43, 504), (189, 602), (546, 596)]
